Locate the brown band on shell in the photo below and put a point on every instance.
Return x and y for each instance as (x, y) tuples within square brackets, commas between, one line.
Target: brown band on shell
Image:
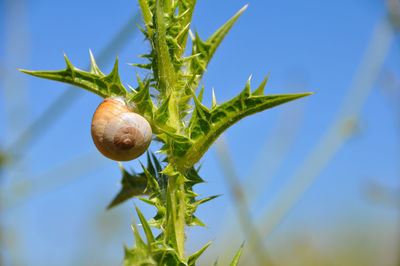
[(126, 138)]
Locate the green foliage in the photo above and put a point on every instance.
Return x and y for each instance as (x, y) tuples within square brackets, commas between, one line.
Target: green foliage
[(235, 260), (94, 81), (186, 131), (132, 185)]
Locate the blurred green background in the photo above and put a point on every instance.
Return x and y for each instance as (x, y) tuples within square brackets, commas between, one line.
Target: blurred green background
[(319, 177)]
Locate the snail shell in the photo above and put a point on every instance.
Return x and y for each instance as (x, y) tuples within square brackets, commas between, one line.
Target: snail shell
[(119, 133)]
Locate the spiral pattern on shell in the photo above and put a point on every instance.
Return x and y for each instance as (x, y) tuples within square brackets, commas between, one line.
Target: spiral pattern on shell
[(119, 133)]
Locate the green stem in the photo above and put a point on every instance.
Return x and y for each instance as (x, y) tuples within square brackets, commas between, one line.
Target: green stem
[(180, 220), (165, 69), (177, 215)]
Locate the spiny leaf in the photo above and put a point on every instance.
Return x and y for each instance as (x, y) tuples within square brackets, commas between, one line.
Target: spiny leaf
[(135, 256), (150, 166), (142, 101), (206, 125), (140, 254), (199, 64), (148, 201), (168, 256), (170, 170), (113, 80), (158, 221), (198, 202), (147, 16), (96, 82), (144, 66), (235, 260), (146, 227), (139, 243), (152, 184), (176, 145), (132, 185), (156, 163), (260, 90), (93, 65), (189, 58), (214, 100), (199, 124), (192, 258), (164, 116), (193, 177), (247, 90), (145, 183), (182, 37), (217, 37), (186, 8), (207, 48), (200, 97), (70, 67), (145, 33), (194, 221)]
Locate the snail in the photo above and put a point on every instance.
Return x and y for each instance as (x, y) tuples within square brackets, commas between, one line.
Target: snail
[(119, 133)]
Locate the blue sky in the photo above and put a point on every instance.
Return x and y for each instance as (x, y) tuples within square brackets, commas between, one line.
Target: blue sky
[(306, 45)]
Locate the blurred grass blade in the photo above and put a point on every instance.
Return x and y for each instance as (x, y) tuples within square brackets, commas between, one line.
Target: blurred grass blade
[(238, 196), (66, 173), (267, 163), (235, 260), (339, 131)]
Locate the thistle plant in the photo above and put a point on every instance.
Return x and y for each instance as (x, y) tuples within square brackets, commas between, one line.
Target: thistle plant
[(167, 98)]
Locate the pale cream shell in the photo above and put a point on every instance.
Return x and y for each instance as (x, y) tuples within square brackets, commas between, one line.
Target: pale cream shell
[(119, 133)]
